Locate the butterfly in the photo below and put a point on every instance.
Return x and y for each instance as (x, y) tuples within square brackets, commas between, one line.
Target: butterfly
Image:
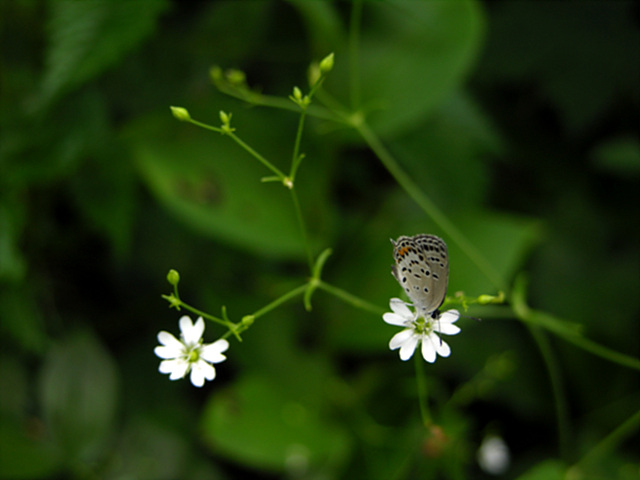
[(422, 269)]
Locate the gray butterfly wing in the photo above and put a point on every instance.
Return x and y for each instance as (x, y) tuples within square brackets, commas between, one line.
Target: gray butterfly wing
[(422, 269)]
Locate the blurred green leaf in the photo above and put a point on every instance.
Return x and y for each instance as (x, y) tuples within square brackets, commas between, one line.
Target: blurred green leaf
[(44, 150), (107, 209), (505, 240), (78, 391), (257, 423), (85, 38), (445, 155), (581, 55), (619, 156), (546, 470), (413, 55), (25, 457), (214, 187), (324, 26), (12, 262), (149, 450), (21, 319)]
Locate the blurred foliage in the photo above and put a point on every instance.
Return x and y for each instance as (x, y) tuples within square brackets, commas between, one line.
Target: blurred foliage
[(518, 119)]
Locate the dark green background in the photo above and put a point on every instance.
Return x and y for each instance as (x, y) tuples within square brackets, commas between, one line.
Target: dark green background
[(518, 119)]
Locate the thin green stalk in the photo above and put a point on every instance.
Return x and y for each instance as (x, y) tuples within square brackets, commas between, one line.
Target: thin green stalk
[(607, 444), (604, 352), (297, 158), (279, 301), (205, 126), (177, 302), (354, 53), (421, 384), (273, 101), (349, 298), (303, 230), (439, 218), (560, 400), (563, 329), (256, 155), (246, 147)]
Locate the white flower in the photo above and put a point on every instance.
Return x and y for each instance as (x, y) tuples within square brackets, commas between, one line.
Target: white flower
[(418, 329), (189, 353), (493, 455)]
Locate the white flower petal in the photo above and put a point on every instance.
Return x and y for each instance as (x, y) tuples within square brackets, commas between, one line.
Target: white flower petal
[(399, 307), (395, 319), (407, 349), (400, 338), (212, 352), (169, 352), (167, 366), (428, 350), (450, 316), (447, 329), (176, 368), (168, 340), (180, 369), (442, 347), (200, 372), (191, 334)]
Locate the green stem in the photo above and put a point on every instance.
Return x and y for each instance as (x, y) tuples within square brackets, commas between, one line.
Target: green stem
[(555, 377), (438, 217), (303, 230), (256, 155), (202, 314), (205, 126), (565, 330), (354, 54), (349, 298), (421, 384), (281, 103), (604, 352), (280, 300), (608, 443), (295, 161), (246, 147)]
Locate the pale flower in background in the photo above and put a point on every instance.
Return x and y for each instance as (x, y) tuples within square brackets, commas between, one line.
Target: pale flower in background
[(418, 329), (189, 354), (493, 455)]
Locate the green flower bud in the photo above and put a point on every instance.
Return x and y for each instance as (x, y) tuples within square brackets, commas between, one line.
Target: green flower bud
[(225, 118), (215, 73), (181, 114), (314, 73), (236, 77), (173, 277), (326, 65)]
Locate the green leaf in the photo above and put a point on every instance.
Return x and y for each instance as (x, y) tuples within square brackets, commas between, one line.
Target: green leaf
[(214, 187), (444, 155), (21, 320), (504, 240), (546, 470), (620, 156), (86, 38), (24, 457), (104, 193), (412, 56), (258, 424), (79, 394), (12, 262)]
